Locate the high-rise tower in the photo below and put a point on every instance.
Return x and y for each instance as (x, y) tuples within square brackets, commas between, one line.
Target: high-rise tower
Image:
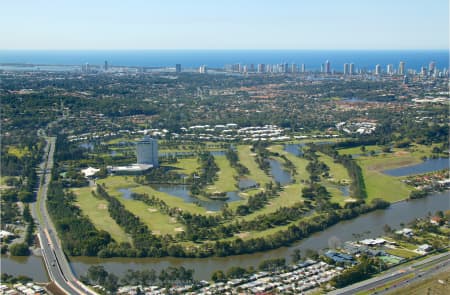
[(346, 69), (401, 68), (147, 151)]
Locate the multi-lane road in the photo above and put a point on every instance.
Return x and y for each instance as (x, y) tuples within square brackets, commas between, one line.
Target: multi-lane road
[(419, 269), (55, 260)]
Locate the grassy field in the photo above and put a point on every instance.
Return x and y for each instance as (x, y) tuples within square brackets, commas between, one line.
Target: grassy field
[(113, 183), (402, 253), (380, 185), (337, 172), (186, 165), (227, 176), (427, 286), (357, 150), (97, 211), (248, 160)]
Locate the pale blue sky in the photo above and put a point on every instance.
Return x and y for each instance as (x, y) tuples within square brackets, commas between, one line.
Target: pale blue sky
[(227, 24)]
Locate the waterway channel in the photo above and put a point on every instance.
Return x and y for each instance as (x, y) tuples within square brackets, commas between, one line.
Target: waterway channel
[(369, 224)]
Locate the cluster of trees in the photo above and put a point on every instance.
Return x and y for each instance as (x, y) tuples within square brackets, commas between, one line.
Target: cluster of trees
[(208, 173), (281, 216), (19, 249), (315, 191), (357, 186), (10, 212), (418, 194), (272, 264), (78, 235), (294, 232), (236, 272), (233, 157), (361, 271), (29, 235), (97, 275), (160, 175), (259, 200), (289, 165), (11, 279), (262, 156), (315, 168), (25, 168)]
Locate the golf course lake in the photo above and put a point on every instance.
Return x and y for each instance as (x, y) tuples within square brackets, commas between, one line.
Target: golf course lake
[(430, 165)]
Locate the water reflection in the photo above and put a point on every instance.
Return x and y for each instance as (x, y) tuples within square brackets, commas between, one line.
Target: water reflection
[(126, 193), (294, 148), (344, 189), (279, 174), (30, 266), (246, 183), (425, 167), (183, 192)]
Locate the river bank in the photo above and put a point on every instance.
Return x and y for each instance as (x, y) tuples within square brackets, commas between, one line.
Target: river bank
[(370, 224)]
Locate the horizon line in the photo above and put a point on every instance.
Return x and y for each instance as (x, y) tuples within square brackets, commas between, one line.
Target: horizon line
[(224, 49)]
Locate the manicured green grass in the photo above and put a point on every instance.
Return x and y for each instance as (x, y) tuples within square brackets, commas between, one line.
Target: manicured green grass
[(338, 173), (390, 161), (380, 185), (119, 139), (402, 253), (357, 150), (336, 194), (97, 211), (157, 222), (407, 245), (186, 165), (226, 181), (248, 160)]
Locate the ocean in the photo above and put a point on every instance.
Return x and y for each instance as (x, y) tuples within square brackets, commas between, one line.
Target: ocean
[(313, 59)]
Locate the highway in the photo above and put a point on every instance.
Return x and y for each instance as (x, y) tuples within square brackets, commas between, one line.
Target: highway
[(57, 265), (432, 264)]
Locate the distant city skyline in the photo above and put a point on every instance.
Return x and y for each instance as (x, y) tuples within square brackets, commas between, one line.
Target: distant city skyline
[(232, 24)]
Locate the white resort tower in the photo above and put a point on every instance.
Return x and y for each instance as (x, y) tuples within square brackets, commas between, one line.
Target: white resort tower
[(147, 151)]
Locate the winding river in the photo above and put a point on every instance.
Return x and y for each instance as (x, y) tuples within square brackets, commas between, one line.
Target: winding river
[(368, 225)]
